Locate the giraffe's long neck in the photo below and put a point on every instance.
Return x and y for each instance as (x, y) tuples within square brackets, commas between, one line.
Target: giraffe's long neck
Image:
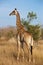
[(20, 27), (18, 22)]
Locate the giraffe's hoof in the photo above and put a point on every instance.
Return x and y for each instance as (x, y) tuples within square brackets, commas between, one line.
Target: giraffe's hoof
[(33, 60), (17, 58), (29, 60), (23, 57)]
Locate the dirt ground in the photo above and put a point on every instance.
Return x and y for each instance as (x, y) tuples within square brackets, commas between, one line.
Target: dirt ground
[(8, 54)]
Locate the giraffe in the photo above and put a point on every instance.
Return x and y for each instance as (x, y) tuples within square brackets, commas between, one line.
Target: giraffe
[(23, 36)]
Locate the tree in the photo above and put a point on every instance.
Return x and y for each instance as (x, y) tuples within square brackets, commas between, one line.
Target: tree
[(33, 29)]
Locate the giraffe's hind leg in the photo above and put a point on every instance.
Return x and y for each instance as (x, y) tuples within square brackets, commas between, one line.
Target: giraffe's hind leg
[(32, 58), (18, 53), (29, 52)]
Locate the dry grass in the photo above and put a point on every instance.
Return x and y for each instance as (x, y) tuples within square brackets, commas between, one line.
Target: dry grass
[(8, 54)]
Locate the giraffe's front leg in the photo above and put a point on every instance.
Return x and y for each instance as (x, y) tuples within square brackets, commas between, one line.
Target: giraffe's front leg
[(18, 47), (18, 53)]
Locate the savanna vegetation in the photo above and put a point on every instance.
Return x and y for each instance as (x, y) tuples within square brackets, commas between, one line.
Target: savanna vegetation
[(8, 43)]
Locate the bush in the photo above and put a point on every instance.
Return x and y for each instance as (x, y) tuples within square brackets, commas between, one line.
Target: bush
[(10, 34), (42, 33), (33, 29)]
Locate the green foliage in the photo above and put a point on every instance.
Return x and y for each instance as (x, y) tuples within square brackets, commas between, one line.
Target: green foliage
[(31, 16), (25, 23), (35, 30), (42, 33)]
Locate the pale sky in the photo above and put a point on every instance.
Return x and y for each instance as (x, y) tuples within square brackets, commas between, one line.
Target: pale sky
[(23, 6)]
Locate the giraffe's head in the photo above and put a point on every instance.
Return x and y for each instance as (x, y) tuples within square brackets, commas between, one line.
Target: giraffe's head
[(14, 12)]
